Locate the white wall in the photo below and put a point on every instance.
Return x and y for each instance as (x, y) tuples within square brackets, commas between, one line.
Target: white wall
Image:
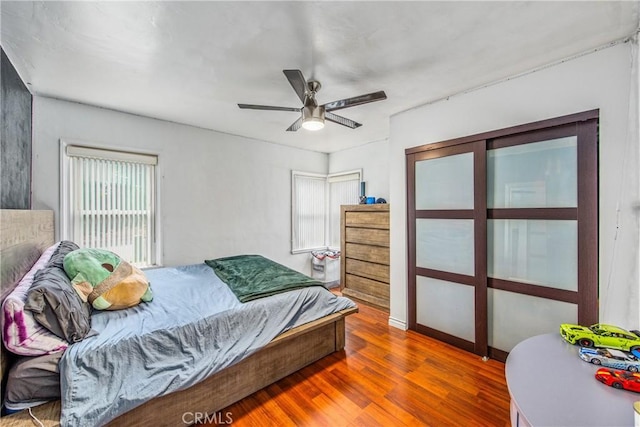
[(602, 80), (220, 194), (373, 159)]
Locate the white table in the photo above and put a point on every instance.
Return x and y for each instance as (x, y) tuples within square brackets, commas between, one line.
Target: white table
[(550, 385)]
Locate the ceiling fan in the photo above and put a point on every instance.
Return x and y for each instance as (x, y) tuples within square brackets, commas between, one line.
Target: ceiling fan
[(314, 115)]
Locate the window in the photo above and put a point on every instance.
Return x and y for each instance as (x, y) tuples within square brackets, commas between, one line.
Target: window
[(316, 201), (344, 189), (109, 201), (309, 210)]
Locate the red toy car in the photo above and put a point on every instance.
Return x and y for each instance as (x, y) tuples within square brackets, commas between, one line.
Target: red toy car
[(619, 379)]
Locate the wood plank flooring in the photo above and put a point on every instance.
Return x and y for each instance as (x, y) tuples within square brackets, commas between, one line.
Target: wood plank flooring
[(384, 377)]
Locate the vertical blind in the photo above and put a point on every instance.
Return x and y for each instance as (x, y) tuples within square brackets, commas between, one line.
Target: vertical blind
[(343, 190), (112, 202), (316, 208), (309, 207)]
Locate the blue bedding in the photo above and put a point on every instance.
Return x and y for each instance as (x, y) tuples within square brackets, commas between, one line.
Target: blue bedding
[(194, 327)]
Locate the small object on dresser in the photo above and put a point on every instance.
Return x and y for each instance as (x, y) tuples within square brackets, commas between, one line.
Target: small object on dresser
[(371, 200)]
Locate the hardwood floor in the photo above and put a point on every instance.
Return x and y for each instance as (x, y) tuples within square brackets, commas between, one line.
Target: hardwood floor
[(385, 377)]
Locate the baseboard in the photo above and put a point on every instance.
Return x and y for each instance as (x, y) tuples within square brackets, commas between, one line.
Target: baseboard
[(397, 323)]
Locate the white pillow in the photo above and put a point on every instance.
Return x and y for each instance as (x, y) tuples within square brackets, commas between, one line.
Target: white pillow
[(21, 334)]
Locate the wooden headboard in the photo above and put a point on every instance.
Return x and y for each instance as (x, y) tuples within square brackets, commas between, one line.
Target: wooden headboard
[(24, 235), (26, 226)]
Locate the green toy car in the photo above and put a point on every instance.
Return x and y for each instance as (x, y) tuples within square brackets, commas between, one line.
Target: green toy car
[(600, 335)]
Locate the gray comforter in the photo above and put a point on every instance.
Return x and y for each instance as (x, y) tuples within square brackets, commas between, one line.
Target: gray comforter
[(194, 327)]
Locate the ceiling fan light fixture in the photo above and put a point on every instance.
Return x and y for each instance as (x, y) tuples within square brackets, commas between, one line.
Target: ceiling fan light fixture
[(312, 117), (312, 124)]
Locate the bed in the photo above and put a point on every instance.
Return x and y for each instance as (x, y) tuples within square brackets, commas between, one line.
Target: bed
[(305, 342)]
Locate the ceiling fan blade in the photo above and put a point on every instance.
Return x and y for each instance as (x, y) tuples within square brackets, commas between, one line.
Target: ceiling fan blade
[(267, 107), (297, 81), (341, 120), (356, 100), (295, 125)]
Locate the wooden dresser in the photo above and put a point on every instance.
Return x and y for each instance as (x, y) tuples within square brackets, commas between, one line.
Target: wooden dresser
[(364, 260)]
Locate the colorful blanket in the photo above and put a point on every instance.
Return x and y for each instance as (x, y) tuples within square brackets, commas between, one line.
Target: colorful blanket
[(253, 276)]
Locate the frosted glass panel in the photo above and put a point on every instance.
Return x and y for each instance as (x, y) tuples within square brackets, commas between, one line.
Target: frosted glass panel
[(515, 317), (534, 251), (446, 306), (540, 174), (445, 244), (445, 182)]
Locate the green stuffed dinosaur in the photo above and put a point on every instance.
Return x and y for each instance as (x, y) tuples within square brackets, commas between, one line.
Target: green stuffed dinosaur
[(105, 280)]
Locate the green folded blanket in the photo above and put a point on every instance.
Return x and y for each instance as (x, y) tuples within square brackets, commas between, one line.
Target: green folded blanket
[(253, 276)]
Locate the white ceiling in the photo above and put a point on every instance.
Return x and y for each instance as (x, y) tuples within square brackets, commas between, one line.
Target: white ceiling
[(192, 62)]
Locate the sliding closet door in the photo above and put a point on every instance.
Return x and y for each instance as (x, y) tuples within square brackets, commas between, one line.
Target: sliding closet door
[(502, 232), (448, 277), (537, 235)]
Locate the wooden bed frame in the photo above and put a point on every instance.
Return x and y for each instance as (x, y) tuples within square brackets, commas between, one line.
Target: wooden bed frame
[(286, 354)]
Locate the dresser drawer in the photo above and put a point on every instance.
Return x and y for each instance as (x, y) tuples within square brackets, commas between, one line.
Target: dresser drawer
[(367, 236), (367, 219), (367, 286), (367, 269), (377, 254)]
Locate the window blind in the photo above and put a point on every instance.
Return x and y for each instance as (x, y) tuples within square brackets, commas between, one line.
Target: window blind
[(316, 201), (309, 208), (112, 202), (341, 192)]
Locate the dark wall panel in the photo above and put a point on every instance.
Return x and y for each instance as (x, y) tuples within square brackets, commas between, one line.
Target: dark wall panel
[(15, 134)]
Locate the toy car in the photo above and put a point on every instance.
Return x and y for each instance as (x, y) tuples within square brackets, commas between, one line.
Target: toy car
[(610, 358), (619, 379), (600, 335)]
